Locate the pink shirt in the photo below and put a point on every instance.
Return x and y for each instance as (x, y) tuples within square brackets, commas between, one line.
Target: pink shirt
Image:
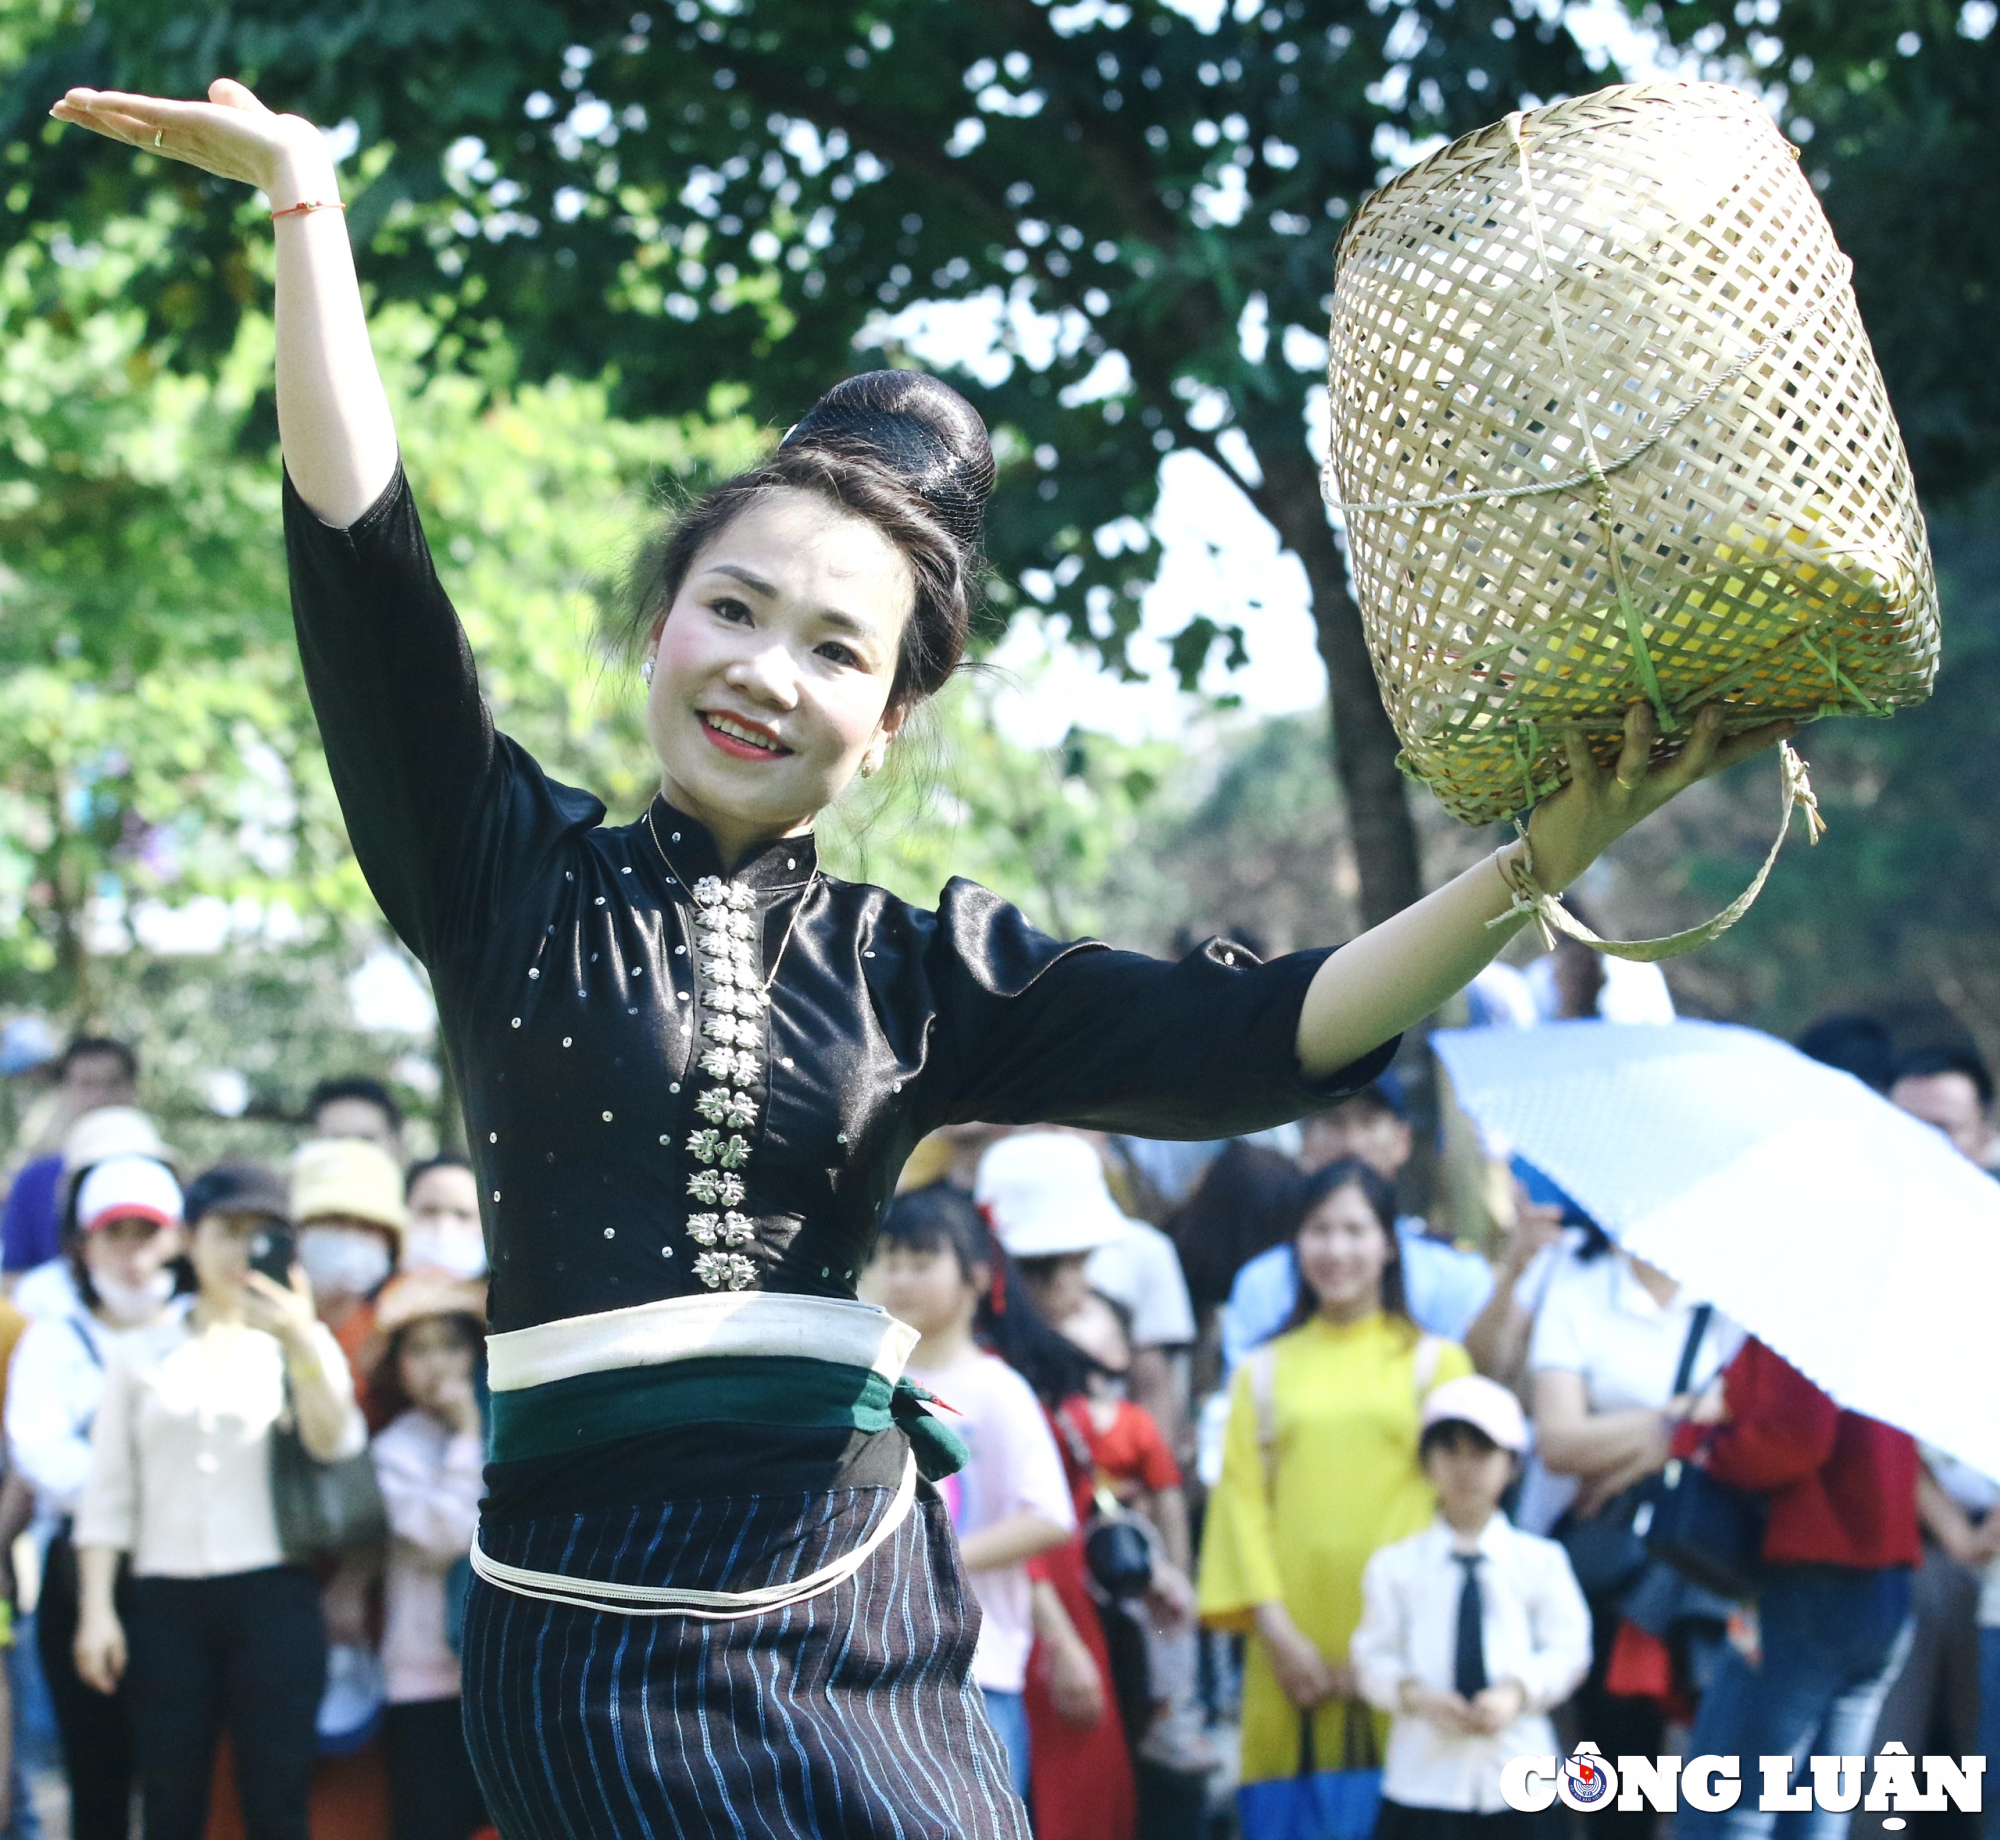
[(1015, 1465), (431, 1485)]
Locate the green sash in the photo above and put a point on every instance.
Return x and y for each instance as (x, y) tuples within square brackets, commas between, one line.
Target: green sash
[(573, 1414)]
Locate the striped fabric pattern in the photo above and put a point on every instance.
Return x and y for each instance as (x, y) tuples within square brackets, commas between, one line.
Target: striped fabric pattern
[(852, 1714)]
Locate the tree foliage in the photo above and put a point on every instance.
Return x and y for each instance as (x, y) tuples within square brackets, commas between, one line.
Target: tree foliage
[(613, 249), (1140, 204), (1899, 907), (157, 753), (1896, 104)]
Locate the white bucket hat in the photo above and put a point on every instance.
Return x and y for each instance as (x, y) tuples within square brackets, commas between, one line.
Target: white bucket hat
[(1044, 1193)]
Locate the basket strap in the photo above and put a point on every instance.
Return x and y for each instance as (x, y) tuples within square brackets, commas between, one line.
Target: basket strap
[(1553, 918)]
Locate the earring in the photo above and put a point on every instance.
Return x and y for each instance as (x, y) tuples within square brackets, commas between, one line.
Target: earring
[(872, 762), (646, 672)]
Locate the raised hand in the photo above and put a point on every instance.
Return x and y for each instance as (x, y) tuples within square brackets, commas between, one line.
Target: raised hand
[(232, 135), (1571, 830), (333, 417)]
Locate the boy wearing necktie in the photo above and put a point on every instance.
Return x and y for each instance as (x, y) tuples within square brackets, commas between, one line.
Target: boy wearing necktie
[(1470, 1632)]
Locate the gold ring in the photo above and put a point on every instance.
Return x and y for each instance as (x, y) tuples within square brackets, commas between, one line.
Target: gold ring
[(159, 134), (1629, 785)]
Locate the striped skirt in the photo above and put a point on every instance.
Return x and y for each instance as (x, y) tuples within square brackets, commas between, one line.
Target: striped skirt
[(852, 1714)]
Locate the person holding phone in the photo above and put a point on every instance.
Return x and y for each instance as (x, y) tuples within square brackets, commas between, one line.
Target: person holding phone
[(219, 1626)]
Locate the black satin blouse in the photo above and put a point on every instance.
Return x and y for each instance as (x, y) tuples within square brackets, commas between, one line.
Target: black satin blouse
[(571, 965)]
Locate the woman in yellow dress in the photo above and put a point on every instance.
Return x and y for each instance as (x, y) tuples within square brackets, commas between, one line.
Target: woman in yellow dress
[(1320, 1468)]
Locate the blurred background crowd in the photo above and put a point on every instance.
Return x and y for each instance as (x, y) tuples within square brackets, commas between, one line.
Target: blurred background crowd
[(1245, 1417)]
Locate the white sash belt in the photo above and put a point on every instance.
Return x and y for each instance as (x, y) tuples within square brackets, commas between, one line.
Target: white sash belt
[(720, 1323), (703, 1606)]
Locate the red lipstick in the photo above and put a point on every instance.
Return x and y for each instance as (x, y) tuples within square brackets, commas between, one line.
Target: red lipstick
[(735, 745)]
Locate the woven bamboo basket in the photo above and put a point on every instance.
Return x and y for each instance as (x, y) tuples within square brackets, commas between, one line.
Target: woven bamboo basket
[(1606, 427)]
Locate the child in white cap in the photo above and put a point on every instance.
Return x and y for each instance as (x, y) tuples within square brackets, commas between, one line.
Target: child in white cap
[(1470, 1632)]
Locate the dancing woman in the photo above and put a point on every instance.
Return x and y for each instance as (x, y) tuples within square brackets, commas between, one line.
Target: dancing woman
[(714, 1595)]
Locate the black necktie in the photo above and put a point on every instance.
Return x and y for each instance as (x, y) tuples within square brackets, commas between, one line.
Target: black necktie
[(1468, 1672)]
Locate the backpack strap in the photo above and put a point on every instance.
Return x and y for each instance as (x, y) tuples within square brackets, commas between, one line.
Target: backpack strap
[(1261, 1364), (1423, 1369), (88, 1340)]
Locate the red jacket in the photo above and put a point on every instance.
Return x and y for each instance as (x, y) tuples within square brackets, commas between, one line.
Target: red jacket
[(1840, 1489)]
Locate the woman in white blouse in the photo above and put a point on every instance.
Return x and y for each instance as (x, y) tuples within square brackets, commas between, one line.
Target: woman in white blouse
[(1608, 1345), (221, 1628), (119, 1244)]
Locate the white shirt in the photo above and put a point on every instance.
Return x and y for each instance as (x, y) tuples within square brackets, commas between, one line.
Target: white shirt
[(1534, 1628), (1599, 1321), (1632, 992), (1978, 1495), (180, 1471), (1594, 1318), (431, 1484), (47, 1290), (1014, 1465), (54, 1385), (1141, 1270)]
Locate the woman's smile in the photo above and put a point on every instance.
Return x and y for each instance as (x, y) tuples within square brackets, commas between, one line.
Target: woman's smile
[(741, 738)]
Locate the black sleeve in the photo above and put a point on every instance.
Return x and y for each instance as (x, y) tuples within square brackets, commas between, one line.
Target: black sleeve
[(1033, 1030), (447, 817)]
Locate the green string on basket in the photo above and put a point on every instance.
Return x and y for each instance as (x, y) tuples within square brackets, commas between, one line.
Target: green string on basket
[(1603, 509), (1842, 683)]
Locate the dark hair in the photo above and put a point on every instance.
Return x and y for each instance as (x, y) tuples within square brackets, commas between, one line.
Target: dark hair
[(83, 1046), (940, 1218), (1859, 1045), (1928, 1063), (898, 448), (1243, 1205), (1382, 1097), (944, 1218), (385, 1386), (72, 1239), (1450, 1431), (1348, 1172), (445, 1159), (355, 1086), (179, 1268)]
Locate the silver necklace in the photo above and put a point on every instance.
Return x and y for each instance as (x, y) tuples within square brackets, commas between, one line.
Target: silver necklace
[(681, 881)]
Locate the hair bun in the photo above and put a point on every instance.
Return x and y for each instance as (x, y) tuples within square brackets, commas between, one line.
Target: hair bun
[(921, 430)]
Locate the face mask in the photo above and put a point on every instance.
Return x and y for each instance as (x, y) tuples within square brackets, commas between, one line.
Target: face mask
[(132, 1303), (461, 1251), (344, 1261)]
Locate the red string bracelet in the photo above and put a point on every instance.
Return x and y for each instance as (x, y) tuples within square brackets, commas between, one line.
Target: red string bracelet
[(308, 204)]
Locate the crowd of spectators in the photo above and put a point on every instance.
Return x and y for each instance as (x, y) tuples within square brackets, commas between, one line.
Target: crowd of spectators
[(1269, 1474), (244, 1413)]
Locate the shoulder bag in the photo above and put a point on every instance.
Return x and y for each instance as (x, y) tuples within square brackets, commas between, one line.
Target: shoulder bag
[(1608, 1550), (1706, 1531), (1710, 1533), (321, 1508)]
